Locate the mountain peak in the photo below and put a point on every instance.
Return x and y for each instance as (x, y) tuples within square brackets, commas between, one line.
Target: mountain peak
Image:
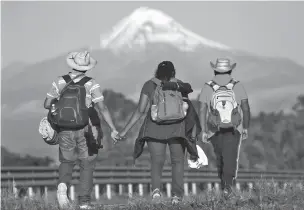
[(146, 25)]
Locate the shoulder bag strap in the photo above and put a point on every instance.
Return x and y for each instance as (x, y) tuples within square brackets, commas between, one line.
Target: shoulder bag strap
[(67, 84)]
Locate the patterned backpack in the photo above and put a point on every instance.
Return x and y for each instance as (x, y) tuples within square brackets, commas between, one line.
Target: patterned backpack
[(224, 111)]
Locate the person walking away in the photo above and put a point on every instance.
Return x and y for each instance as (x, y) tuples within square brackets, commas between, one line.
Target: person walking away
[(192, 123), (164, 125), (225, 117), (68, 101)]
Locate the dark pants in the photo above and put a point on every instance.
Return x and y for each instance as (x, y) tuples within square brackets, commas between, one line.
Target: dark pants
[(157, 149), (73, 150), (226, 144)]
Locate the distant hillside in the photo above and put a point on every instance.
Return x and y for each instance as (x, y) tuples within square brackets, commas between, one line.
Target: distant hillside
[(13, 159)]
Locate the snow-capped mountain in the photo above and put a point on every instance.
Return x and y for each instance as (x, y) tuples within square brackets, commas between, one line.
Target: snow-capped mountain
[(147, 25)]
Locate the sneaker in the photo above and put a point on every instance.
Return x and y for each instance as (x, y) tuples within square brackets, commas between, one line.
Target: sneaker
[(175, 200), (156, 195), (86, 206), (62, 196)]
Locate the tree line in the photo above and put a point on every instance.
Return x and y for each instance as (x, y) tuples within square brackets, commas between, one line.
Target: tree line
[(276, 140)]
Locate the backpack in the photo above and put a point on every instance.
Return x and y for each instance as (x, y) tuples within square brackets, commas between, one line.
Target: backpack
[(167, 106), (224, 109), (70, 112)]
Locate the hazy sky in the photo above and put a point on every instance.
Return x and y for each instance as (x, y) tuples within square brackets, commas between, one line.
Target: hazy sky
[(33, 31)]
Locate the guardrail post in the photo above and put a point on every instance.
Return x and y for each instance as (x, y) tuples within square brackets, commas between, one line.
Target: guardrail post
[(97, 191), (130, 190), (72, 192), (46, 192), (186, 189), (168, 188), (120, 189), (217, 186), (15, 190), (209, 186), (140, 189), (250, 186), (30, 192), (109, 193), (194, 192), (238, 186)]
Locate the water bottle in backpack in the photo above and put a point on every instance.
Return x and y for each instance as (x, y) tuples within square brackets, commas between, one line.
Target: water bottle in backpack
[(53, 109)]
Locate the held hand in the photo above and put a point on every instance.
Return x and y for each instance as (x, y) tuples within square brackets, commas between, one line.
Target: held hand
[(205, 137), (117, 136), (114, 136), (245, 134), (122, 135)]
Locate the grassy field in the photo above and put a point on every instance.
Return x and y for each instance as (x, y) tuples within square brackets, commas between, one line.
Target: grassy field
[(264, 195)]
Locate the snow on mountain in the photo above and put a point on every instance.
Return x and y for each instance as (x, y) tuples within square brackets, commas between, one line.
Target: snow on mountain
[(147, 25)]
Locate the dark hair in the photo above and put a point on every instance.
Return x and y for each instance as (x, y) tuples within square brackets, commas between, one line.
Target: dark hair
[(165, 71), (222, 73)]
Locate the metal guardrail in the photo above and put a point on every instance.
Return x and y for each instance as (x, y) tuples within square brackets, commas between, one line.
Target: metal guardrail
[(47, 177)]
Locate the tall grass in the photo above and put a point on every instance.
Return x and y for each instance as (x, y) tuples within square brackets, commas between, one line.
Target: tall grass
[(264, 195)]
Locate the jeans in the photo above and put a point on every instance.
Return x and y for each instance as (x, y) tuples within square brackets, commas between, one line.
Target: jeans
[(226, 145), (73, 150), (157, 149)]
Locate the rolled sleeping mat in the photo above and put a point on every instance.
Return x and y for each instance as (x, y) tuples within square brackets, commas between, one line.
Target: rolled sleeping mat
[(49, 135)]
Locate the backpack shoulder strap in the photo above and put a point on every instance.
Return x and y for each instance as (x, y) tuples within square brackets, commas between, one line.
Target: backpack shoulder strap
[(213, 85), (231, 84), (66, 78), (157, 87), (156, 81), (84, 80)]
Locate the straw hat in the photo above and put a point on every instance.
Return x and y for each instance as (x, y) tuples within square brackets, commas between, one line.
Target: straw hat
[(81, 61), (222, 65)]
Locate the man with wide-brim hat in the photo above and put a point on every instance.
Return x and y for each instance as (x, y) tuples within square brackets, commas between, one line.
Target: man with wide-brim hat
[(221, 101), (75, 144)]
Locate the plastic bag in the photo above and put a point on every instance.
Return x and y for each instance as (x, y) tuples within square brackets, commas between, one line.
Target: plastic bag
[(201, 161)]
